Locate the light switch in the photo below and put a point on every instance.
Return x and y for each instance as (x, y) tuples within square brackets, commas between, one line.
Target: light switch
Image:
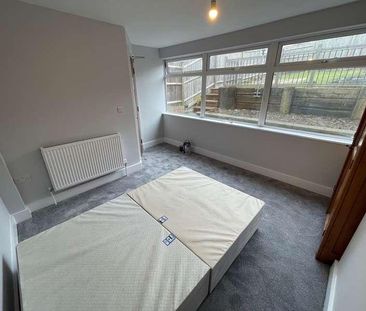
[(119, 109)]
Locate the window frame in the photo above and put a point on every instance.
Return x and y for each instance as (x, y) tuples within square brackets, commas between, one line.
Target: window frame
[(196, 73), (272, 65), (240, 69), (317, 38), (188, 73)]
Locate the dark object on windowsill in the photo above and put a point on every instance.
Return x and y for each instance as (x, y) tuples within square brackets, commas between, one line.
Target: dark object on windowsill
[(186, 147)]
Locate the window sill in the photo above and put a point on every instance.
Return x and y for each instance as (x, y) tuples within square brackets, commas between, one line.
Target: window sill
[(341, 140)]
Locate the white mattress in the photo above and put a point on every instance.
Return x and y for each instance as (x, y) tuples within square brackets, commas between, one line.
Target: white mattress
[(214, 220), (110, 258)]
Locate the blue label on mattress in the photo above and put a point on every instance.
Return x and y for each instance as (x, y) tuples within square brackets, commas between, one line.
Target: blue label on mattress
[(163, 219), (169, 239)]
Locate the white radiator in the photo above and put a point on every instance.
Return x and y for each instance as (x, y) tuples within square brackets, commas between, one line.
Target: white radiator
[(74, 163)]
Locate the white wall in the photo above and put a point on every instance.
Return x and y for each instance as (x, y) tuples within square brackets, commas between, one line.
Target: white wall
[(350, 286), (150, 93), (10, 195), (61, 79), (7, 265), (341, 17), (310, 164), (8, 190)]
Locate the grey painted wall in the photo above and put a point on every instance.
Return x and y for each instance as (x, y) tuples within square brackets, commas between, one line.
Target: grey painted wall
[(61, 79), (341, 17), (314, 161), (8, 191), (7, 252), (150, 92), (351, 274)]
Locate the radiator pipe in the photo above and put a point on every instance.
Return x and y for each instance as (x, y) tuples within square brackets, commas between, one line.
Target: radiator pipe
[(53, 196)]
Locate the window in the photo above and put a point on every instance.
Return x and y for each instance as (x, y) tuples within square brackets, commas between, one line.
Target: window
[(239, 59), (324, 96), (235, 97), (184, 66), (183, 94), (323, 101), (316, 85), (184, 85), (340, 47)]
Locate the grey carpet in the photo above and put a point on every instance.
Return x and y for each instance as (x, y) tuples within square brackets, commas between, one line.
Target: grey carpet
[(275, 271)]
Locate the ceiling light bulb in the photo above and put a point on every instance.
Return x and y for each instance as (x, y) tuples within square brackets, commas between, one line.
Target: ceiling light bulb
[(213, 11)]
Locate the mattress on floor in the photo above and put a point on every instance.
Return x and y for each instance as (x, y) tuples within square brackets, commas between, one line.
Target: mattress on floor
[(214, 220), (112, 257)]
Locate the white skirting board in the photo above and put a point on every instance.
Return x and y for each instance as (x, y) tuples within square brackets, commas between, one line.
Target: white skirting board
[(22, 215), (41, 203), (152, 143), (292, 180), (331, 288), (14, 243)]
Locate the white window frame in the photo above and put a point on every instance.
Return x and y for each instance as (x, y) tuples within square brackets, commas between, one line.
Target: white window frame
[(183, 74), (196, 73), (241, 69), (321, 37), (272, 66)]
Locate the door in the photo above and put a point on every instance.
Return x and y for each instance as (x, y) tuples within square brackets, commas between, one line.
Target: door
[(347, 206), (134, 91)]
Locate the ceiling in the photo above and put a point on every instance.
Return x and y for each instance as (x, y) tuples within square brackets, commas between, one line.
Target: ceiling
[(160, 23)]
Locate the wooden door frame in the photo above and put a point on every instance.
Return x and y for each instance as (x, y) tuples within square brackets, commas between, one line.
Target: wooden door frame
[(348, 204)]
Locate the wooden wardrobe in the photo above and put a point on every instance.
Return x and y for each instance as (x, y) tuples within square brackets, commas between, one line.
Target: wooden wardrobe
[(348, 203)]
